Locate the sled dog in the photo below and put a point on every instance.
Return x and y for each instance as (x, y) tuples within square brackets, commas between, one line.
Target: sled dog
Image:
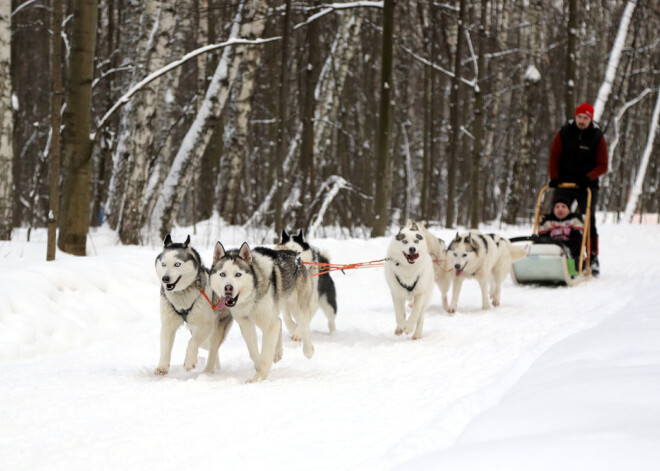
[(409, 275), (256, 285), (485, 257), (324, 294), (183, 279), (441, 268)]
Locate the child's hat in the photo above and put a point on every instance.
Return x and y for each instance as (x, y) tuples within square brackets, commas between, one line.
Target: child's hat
[(561, 199)]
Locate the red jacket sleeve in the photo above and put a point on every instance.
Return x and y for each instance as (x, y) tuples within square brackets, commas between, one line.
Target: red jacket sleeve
[(601, 161), (553, 161)]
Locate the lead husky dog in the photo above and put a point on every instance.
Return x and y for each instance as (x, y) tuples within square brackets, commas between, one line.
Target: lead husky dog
[(324, 294), (256, 285), (485, 257), (409, 274), (184, 281), (441, 268)]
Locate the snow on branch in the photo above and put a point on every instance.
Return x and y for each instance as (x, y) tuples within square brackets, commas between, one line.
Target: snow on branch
[(333, 7), (613, 63), (172, 65), (470, 83), (335, 183)]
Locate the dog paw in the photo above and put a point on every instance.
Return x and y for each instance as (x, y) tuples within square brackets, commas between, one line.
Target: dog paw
[(416, 336), (278, 355), (398, 331), (408, 330), (160, 371), (308, 351), (496, 302), (256, 378), (451, 310), (189, 366)]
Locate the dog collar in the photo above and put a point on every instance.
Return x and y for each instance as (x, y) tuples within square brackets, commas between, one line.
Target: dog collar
[(405, 286)]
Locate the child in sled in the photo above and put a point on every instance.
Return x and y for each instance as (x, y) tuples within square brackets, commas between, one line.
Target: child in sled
[(563, 226)]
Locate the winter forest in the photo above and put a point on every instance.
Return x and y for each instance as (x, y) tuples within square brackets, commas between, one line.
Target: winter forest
[(145, 114)]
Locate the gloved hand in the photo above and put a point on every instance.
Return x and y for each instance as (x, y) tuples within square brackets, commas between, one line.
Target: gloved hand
[(553, 183)]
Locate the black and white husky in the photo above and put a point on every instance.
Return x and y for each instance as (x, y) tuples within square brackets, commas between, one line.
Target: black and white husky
[(324, 294), (441, 268), (256, 285), (409, 275), (484, 257), (184, 281)]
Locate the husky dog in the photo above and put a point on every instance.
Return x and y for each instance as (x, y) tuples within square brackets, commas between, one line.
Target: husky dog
[(256, 285), (184, 281), (324, 294), (409, 274), (485, 257), (441, 267)]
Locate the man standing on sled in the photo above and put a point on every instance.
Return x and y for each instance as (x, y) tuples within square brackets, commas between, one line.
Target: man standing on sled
[(579, 155)]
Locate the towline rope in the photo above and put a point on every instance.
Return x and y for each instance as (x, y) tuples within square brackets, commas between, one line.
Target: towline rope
[(330, 267)]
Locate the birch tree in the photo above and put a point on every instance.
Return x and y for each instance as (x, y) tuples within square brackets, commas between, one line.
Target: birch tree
[(242, 110), (6, 125), (76, 184), (613, 63), (199, 134), (641, 172), (158, 20)]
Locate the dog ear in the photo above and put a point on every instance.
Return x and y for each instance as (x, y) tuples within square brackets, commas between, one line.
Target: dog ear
[(218, 252), (300, 238), (187, 242), (414, 226), (285, 237), (458, 237), (244, 252), (168, 241)]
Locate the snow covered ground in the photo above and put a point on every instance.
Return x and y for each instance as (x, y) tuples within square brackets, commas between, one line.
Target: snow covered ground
[(555, 378)]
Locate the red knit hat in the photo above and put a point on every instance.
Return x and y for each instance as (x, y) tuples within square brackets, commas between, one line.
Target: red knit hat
[(585, 108)]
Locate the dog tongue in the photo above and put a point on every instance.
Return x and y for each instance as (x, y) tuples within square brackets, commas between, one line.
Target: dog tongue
[(221, 303)]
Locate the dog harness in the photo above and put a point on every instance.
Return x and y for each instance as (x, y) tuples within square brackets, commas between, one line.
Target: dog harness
[(405, 286), (184, 312)]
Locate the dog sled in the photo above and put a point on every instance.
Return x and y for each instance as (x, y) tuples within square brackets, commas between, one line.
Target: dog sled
[(550, 262)]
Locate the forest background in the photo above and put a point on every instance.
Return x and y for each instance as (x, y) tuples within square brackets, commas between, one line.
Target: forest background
[(300, 114)]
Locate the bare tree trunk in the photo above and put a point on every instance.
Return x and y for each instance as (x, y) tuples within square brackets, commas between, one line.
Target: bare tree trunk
[(158, 21), (311, 72), (384, 165), (283, 113), (55, 110), (76, 189), (454, 112), (478, 133), (6, 125), (571, 58), (237, 138)]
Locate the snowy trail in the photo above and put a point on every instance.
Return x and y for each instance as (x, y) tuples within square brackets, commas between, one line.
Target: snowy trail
[(77, 389)]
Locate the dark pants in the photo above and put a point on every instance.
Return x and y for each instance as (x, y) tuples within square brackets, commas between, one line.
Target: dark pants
[(580, 194)]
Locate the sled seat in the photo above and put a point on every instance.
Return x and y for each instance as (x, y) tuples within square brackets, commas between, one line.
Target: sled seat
[(545, 263)]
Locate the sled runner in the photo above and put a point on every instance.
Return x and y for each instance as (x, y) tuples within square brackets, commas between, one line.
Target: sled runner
[(550, 262)]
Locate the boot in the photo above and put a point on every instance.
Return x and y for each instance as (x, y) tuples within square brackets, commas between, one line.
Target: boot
[(593, 255)]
